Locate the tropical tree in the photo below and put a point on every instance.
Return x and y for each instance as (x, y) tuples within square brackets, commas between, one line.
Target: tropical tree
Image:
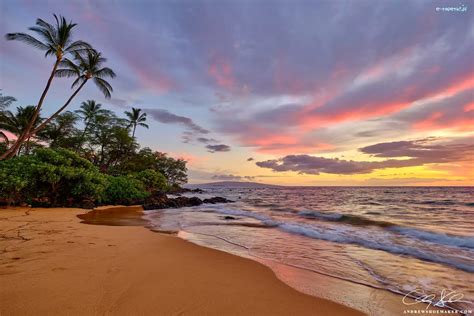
[(55, 40), (88, 112), (86, 67), (17, 123), (136, 118), (62, 131), (5, 101)]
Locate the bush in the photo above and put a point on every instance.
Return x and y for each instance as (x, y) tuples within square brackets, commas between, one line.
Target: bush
[(153, 180), (124, 190), (59, 175)]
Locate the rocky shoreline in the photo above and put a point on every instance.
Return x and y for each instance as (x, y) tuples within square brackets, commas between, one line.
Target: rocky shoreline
[(161, 201)]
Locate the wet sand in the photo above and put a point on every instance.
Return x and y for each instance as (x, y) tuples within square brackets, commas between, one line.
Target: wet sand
[(51, 264)]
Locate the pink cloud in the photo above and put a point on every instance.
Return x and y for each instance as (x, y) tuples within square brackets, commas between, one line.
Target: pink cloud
[(221, 71)]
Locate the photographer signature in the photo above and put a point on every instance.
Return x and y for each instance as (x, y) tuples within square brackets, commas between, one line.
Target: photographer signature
[(445, 298)]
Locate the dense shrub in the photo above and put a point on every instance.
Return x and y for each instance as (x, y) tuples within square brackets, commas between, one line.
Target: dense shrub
[(153, 180), (124, 190), (59, 175)]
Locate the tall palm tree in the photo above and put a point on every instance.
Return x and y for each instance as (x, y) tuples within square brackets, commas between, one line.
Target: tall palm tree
[(89, 111), (136, 118), (85, 67), (55, 40), (17, 123)]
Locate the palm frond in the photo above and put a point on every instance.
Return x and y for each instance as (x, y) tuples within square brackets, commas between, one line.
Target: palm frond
[(105, 72), (28, 39), (78, 47), (61, 73), (104, 87), (78, 81)]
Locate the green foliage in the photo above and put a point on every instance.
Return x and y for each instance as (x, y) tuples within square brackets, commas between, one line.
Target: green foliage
[(174, 170), (124, 190), (153, 180), (15, 177), (57, 174)]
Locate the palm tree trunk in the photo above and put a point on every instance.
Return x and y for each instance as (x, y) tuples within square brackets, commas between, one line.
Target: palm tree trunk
[(133, 134), (83, 135), (42, 125), (14, 148)]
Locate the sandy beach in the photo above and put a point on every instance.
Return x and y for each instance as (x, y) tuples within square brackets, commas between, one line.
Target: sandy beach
[(51, 264)]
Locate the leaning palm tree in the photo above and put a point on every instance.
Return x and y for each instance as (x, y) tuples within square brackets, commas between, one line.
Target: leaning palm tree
[(136, 118), (85, 67), (54, 40), (89, 111)]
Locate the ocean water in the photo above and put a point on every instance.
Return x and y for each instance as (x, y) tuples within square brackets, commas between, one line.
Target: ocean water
[(397, 239)]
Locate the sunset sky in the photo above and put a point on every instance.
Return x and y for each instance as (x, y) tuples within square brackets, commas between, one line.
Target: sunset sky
[(283, 92)]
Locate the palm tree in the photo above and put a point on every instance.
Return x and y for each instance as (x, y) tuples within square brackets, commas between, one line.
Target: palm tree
[(89, 111), (17, 123), (55, 40), (86, 67), (136, 118), (5, 101)]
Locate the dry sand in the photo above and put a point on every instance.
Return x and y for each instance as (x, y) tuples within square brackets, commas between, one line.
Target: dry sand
[(51, 264)]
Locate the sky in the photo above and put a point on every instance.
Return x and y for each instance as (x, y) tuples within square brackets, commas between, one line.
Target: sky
[(287, 92)]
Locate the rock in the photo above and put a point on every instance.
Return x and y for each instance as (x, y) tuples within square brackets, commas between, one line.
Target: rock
[(195, 201), (179, 190), (160, 200), (216, 199), (229, 217)]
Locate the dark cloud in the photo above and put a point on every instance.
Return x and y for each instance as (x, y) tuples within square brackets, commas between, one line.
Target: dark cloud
[(418, 152), (205, 140), (250, 159), (429, 150), (166, 117), (218, 148)]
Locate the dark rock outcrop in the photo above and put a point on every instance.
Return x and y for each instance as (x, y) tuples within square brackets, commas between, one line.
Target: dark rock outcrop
[(216, 199), (160, 200)]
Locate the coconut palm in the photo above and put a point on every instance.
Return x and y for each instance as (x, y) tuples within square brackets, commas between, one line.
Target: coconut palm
[(5, 101), (17, 123), (55, 40), (136, 118), (89, 111), (85, 67)]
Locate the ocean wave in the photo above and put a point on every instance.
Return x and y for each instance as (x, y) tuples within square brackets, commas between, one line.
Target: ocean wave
[(366, 239), (348, 219), (382, 244), (439, 238)]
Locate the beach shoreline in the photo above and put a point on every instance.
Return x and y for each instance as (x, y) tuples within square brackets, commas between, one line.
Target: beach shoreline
[(53, 264)]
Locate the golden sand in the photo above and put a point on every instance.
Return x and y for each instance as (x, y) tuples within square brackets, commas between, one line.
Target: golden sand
[(51, 264)]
